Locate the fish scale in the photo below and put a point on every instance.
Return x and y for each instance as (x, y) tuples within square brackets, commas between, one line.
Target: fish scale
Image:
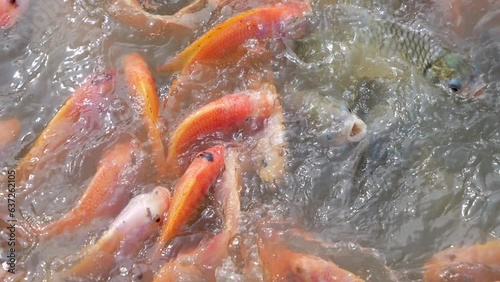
[(415, 46), (447, 69)]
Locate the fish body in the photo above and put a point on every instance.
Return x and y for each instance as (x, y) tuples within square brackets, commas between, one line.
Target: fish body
[(9, 131), (144, 96), (442, 66), (226, 115), (200, 264), (227, 192), (285, 20), (101, 195), (271, 144), (190, 190), (476, 261), (330, 121), (83, 104), (280, 263), (10, 11), (182, 22), (140, 219)]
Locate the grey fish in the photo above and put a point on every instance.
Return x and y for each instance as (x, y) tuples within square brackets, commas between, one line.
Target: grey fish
[(440, 65), (447, 69), (329, 120)]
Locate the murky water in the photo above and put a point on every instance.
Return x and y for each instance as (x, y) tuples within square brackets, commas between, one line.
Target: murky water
[(426, 176)]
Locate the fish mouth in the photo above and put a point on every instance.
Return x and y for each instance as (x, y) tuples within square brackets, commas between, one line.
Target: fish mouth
[(476, 90), (357, 131), (163, 193), (6, 20)]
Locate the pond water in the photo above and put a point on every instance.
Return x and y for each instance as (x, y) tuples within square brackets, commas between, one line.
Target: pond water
[(425, 177)]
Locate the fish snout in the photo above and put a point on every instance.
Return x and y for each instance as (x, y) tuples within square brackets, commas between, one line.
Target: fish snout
[(163, 194), (474, 89), (357, 131)]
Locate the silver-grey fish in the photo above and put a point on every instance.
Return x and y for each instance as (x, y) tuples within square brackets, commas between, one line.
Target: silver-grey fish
[(442, 66), (328, 120)]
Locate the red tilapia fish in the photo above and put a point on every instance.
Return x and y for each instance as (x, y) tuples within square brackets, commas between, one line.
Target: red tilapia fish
[(226, 115), (10, 11), (83, 104), (189, 192), (280, 263), (144, 96), (200, 265), (479, 262), (103, 195), (139, 221), (9, 131), (227, 192), (187, 19), (224, 40)]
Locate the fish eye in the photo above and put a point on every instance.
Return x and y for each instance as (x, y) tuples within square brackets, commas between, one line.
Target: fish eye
[(329, 135), (347, 109), (157, 219), (454, 85)]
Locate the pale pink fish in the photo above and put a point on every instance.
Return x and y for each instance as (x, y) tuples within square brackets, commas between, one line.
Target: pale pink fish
[(138, 222), (11, 11)]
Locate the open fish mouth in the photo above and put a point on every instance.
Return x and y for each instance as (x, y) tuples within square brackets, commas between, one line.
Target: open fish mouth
[(478, 89), (475, 90), (357, 131)]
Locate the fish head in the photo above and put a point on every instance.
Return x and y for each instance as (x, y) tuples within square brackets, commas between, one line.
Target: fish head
[(143, 215), (295, 25), (457, 76), (339, 126), (10, 10)]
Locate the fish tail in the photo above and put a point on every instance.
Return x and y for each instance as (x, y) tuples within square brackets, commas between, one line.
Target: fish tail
[(175, 64)]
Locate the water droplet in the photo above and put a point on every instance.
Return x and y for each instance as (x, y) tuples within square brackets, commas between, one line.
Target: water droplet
[(123, 271)]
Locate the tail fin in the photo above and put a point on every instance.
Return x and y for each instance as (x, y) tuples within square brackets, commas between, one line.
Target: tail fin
[(173, 65)]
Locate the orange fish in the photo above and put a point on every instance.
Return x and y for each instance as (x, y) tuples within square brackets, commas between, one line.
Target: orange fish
[(10, 11), (144, 97), (83, 104), (200, 265), (477, 263), (279, 263), (139, 220), (102, 194), (224, 40), (226, 115), (185, 20), (190, 190), (9, 131)]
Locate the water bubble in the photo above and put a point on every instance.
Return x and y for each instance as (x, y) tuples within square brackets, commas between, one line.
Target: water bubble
[(123, 271)]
